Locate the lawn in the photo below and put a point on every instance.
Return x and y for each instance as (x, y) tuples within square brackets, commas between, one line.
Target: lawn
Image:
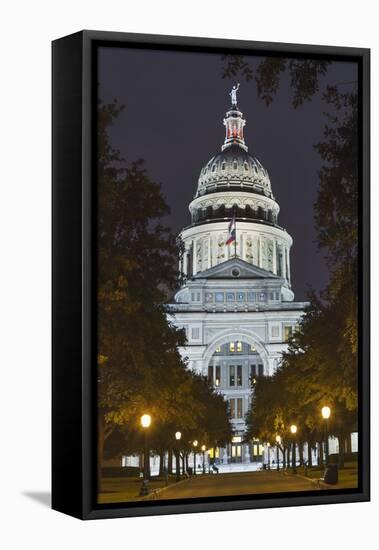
[(347, 476), (122, 489)]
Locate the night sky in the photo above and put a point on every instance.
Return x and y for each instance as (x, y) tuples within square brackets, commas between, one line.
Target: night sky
[(175, 103)]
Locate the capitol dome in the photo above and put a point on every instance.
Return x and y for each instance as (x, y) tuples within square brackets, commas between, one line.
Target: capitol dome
[(234, 169), (233, 182)]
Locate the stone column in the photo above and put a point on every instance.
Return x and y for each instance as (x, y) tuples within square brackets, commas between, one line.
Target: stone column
[(194, 256), (284, 262), (209, 251), (274, 266), (214, 249), (288, 266), (260, 250), (185, 261)]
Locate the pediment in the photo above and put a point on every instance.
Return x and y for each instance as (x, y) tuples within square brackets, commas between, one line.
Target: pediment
[(235, 268)]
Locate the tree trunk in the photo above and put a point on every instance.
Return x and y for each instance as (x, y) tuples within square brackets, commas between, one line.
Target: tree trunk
[(348, 444), (309, 452), (320, 460), (284, 457), (341, 448), (169, 465), (186, 463), (161, 462), (288, 455), (301, 454)]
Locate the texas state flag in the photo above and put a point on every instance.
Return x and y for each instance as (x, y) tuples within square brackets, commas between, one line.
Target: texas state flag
[(231, 231)]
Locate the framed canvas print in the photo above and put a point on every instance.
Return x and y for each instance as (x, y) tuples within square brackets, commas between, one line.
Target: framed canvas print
[(210, 275)]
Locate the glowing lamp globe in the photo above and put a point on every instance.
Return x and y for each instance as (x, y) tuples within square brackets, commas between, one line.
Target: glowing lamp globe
[(145, 420), (325, 411)]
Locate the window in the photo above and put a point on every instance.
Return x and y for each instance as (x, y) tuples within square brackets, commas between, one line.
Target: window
[(234, 165), (223, 166), (288, 331), (231, 347), (218, 376), (239, 408), (232, 408), (209, 297), (246, 167), (239, 346), (253, 370), (232, 375), (213, 168), (253, 349), (210, 374), (262, 296), (195, 333), (218, 349), (260, 370), (275, 332), (240, 296), (219, 296), (230, 297), (239, 375), (251, 296)]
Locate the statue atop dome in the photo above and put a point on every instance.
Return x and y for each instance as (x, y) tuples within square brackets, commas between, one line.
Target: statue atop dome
[(233, 94)]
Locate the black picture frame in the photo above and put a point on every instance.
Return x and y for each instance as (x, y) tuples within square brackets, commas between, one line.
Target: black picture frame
[(74, 275)]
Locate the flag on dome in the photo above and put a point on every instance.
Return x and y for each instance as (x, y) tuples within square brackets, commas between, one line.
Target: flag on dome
[(231, 231)]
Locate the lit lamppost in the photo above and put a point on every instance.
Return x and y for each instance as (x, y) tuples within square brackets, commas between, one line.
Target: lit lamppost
[(268, 456), (203, 448), (293, 430), (195, 443), (145, 423), (178, 437), (325, 412), (278, 440)]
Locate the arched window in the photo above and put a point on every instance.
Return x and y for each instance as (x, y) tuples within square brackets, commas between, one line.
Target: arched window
[(235, 166), (246, 166), (223, 166), (213, 168)]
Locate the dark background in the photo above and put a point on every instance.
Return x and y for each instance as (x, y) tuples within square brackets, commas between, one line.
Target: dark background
[(175, 103)]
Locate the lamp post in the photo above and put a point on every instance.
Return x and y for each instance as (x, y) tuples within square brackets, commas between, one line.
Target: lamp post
[(178, 437), (268, 456), (145, 423), (325, 412), (203, 448), (278, 440), (195, 443), (293, 430)]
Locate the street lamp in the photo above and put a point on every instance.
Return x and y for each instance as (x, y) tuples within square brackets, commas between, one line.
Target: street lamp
[(325, 412), (178, 437), (195, 444), (293, 430), (203, 448), (278, 440), (145, 423), (268, 456)]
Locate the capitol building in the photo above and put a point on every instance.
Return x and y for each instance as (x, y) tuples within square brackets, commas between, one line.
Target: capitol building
[(237, 304)]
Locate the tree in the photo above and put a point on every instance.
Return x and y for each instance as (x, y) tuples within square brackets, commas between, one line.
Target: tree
[(136, 266), (321, 365), (139, 366)]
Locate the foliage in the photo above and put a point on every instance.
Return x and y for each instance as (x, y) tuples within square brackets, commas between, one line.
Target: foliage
[(321, 364), (139, 366)]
